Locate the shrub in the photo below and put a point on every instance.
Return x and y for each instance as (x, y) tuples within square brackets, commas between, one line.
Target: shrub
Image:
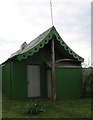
[(87, 81), (34, 109)]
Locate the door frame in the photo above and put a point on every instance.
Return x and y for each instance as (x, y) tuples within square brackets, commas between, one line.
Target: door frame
[(39, 92)]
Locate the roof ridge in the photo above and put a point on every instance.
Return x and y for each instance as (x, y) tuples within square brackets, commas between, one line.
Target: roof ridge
[(39, 43)]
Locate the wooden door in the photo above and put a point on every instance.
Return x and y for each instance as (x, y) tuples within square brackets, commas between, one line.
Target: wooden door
[(33, 77)]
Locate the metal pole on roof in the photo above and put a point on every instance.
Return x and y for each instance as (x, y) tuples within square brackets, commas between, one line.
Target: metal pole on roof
[(53, 80), (51, 12)]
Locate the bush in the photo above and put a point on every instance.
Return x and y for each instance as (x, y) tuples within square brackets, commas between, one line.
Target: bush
[(87, 81), (34, 109)]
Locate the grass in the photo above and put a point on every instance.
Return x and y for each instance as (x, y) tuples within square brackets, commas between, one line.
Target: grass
[(77, 108)]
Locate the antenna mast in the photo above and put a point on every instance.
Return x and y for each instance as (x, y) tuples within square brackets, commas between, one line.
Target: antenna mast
[(51, 12)]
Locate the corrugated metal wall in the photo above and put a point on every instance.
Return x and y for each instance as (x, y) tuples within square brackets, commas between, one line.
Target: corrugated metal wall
[(69, 82), (19, 80), (6, 79)]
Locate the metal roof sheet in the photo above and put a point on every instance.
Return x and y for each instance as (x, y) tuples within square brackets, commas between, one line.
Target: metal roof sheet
[(32, 44)]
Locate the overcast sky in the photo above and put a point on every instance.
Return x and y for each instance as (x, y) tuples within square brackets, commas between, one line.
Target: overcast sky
[(24, 20)]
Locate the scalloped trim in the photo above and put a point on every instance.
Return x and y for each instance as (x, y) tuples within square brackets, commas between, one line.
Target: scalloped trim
[(35, 49), (46, 41)]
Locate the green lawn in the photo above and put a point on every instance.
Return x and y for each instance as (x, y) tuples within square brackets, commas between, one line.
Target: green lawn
[(77, 108)]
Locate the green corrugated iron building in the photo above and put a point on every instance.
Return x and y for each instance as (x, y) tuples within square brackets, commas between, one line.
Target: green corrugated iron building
[(27, 73)]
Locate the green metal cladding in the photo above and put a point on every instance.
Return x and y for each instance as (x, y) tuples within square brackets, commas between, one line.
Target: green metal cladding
[(6, 79), (69, 82), (14, 83), (38, 52)]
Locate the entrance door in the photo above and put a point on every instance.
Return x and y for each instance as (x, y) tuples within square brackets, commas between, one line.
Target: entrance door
[(49, 83), (33, 77)]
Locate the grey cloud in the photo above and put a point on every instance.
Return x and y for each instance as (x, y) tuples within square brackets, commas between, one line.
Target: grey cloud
[(7, 41), (71, 18)]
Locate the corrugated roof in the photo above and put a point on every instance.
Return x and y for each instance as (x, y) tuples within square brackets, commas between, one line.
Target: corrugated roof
[(32, 44), (39, 43)]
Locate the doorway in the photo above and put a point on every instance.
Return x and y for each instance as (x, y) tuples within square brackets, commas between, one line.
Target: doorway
[(33, 80)]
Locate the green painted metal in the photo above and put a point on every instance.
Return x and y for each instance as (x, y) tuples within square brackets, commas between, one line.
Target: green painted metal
[(69, 83), (19, 80), (6, 79), (14, 80)]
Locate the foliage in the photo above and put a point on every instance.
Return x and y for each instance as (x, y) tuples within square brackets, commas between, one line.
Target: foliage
[(87, 81), (34, 109)]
